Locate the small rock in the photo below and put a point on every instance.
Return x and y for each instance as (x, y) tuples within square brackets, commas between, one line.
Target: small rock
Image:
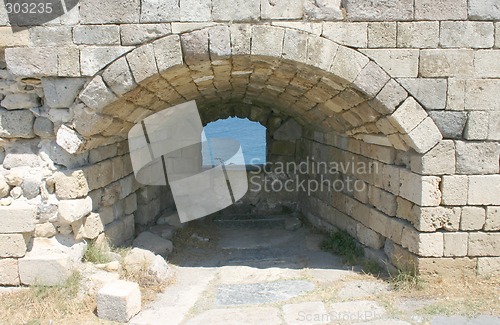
[(6, 201), (113, 266), (16, 192), (45, 230), (4, 187), (15, 177), (158, 269), (292, 224), (43, 127), (154, 243)]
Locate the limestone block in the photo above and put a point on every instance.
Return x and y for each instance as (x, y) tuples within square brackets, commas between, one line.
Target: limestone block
[(20, 101), (450, 124), (430, 92), (131, 203), (454, 189), (71, 184), (4, 187), (102, 153), (114, 11), (267, 41), (482, 94), (224, 10), (455, 244), (473, 218), (68, 59), (456, 95), (241, 35), (484, 66), (97, 95), (424, 137), (382, 35), (484, 10), (430, 219), (422, 190), (120, 231), (295, 45), (320, 52), (408, 116), (323, 10), (440, 10), (280, 9), (369, 237), (31, 62), (119, 77), (97, 34), (484, 190), (142, 62), (423, 244), (73, 210), (195, 47), (492, 218), (484, 244), (12, 37), (346, 33), (196, 10), (155, 11), (32, 183), (92, 226), (154, 243), (450, 267), (219, 42), (371, 80), (168, 52), (488, 266), (447, 63), (397, 62), (383, 10), (12, 245), (440, 160), (418, 34), (17, 218), (50, 36), (136, 34), (348, 63), (9, 273), (390, 97), (94, 58), (43, 127), (477, 125), (16, 124), (50, 151), (88, 123), (119, 301), (469, 34), (45, 230), (477, 157)]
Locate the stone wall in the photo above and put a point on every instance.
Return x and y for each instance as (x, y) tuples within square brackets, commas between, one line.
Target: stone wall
[(411, 85)]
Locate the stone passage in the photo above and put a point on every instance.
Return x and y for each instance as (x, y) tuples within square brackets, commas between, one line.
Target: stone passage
[(409, 89)]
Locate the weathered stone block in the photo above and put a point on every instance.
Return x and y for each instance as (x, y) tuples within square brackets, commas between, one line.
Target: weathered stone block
[(430, 219), (45, 230), (20, 101), (422, 190), (477, 125), (390, 97), (408, 116), (280, 9), (17, 218), (119, 77), (73, 210), (12, 37), (12, 245), (71, 185), (168, 52), (348, 63), (119, 301), (492, 218), (423, 244), (196, 10), (454, 189), (97, 95), (473, 218), (9, 273), (397, 62), (195, 47), (484, 10), (142, 62), (371, 80), (484, 190), (418, 34), (431, 92), (447, 63), (476, 157), (31, 62), (95, 58), (135, 34), (424, 137), (482, 94), (380, 10), (92, 226), (484, 244), (440, 160), (456, 95), (155, 11), (97, 35), (488, 266), (154, 243), (220, 43), (455, 34), (441, 9), (382, 35), (50, 36), (54, 153), (455, 244), (369, 237), (16, 124), (484, 64), (267, 40), (346, 33), (450, 124), (321, 52), (43, 127), (453, 267), (115, 11)]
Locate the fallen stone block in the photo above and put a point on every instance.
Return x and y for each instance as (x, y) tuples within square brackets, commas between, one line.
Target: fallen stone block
[(119, 301), (154, 243)]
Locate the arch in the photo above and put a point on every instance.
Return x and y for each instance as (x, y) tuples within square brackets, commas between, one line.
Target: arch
[(266, 73)]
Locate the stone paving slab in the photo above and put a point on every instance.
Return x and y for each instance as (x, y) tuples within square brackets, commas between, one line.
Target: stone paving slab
[(261, 293), (238, 316), (461, 320), (246, 274), (354, 311), (306, 313)]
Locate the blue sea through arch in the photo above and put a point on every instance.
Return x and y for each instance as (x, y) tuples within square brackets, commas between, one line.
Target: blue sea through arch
[(250, 135)]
